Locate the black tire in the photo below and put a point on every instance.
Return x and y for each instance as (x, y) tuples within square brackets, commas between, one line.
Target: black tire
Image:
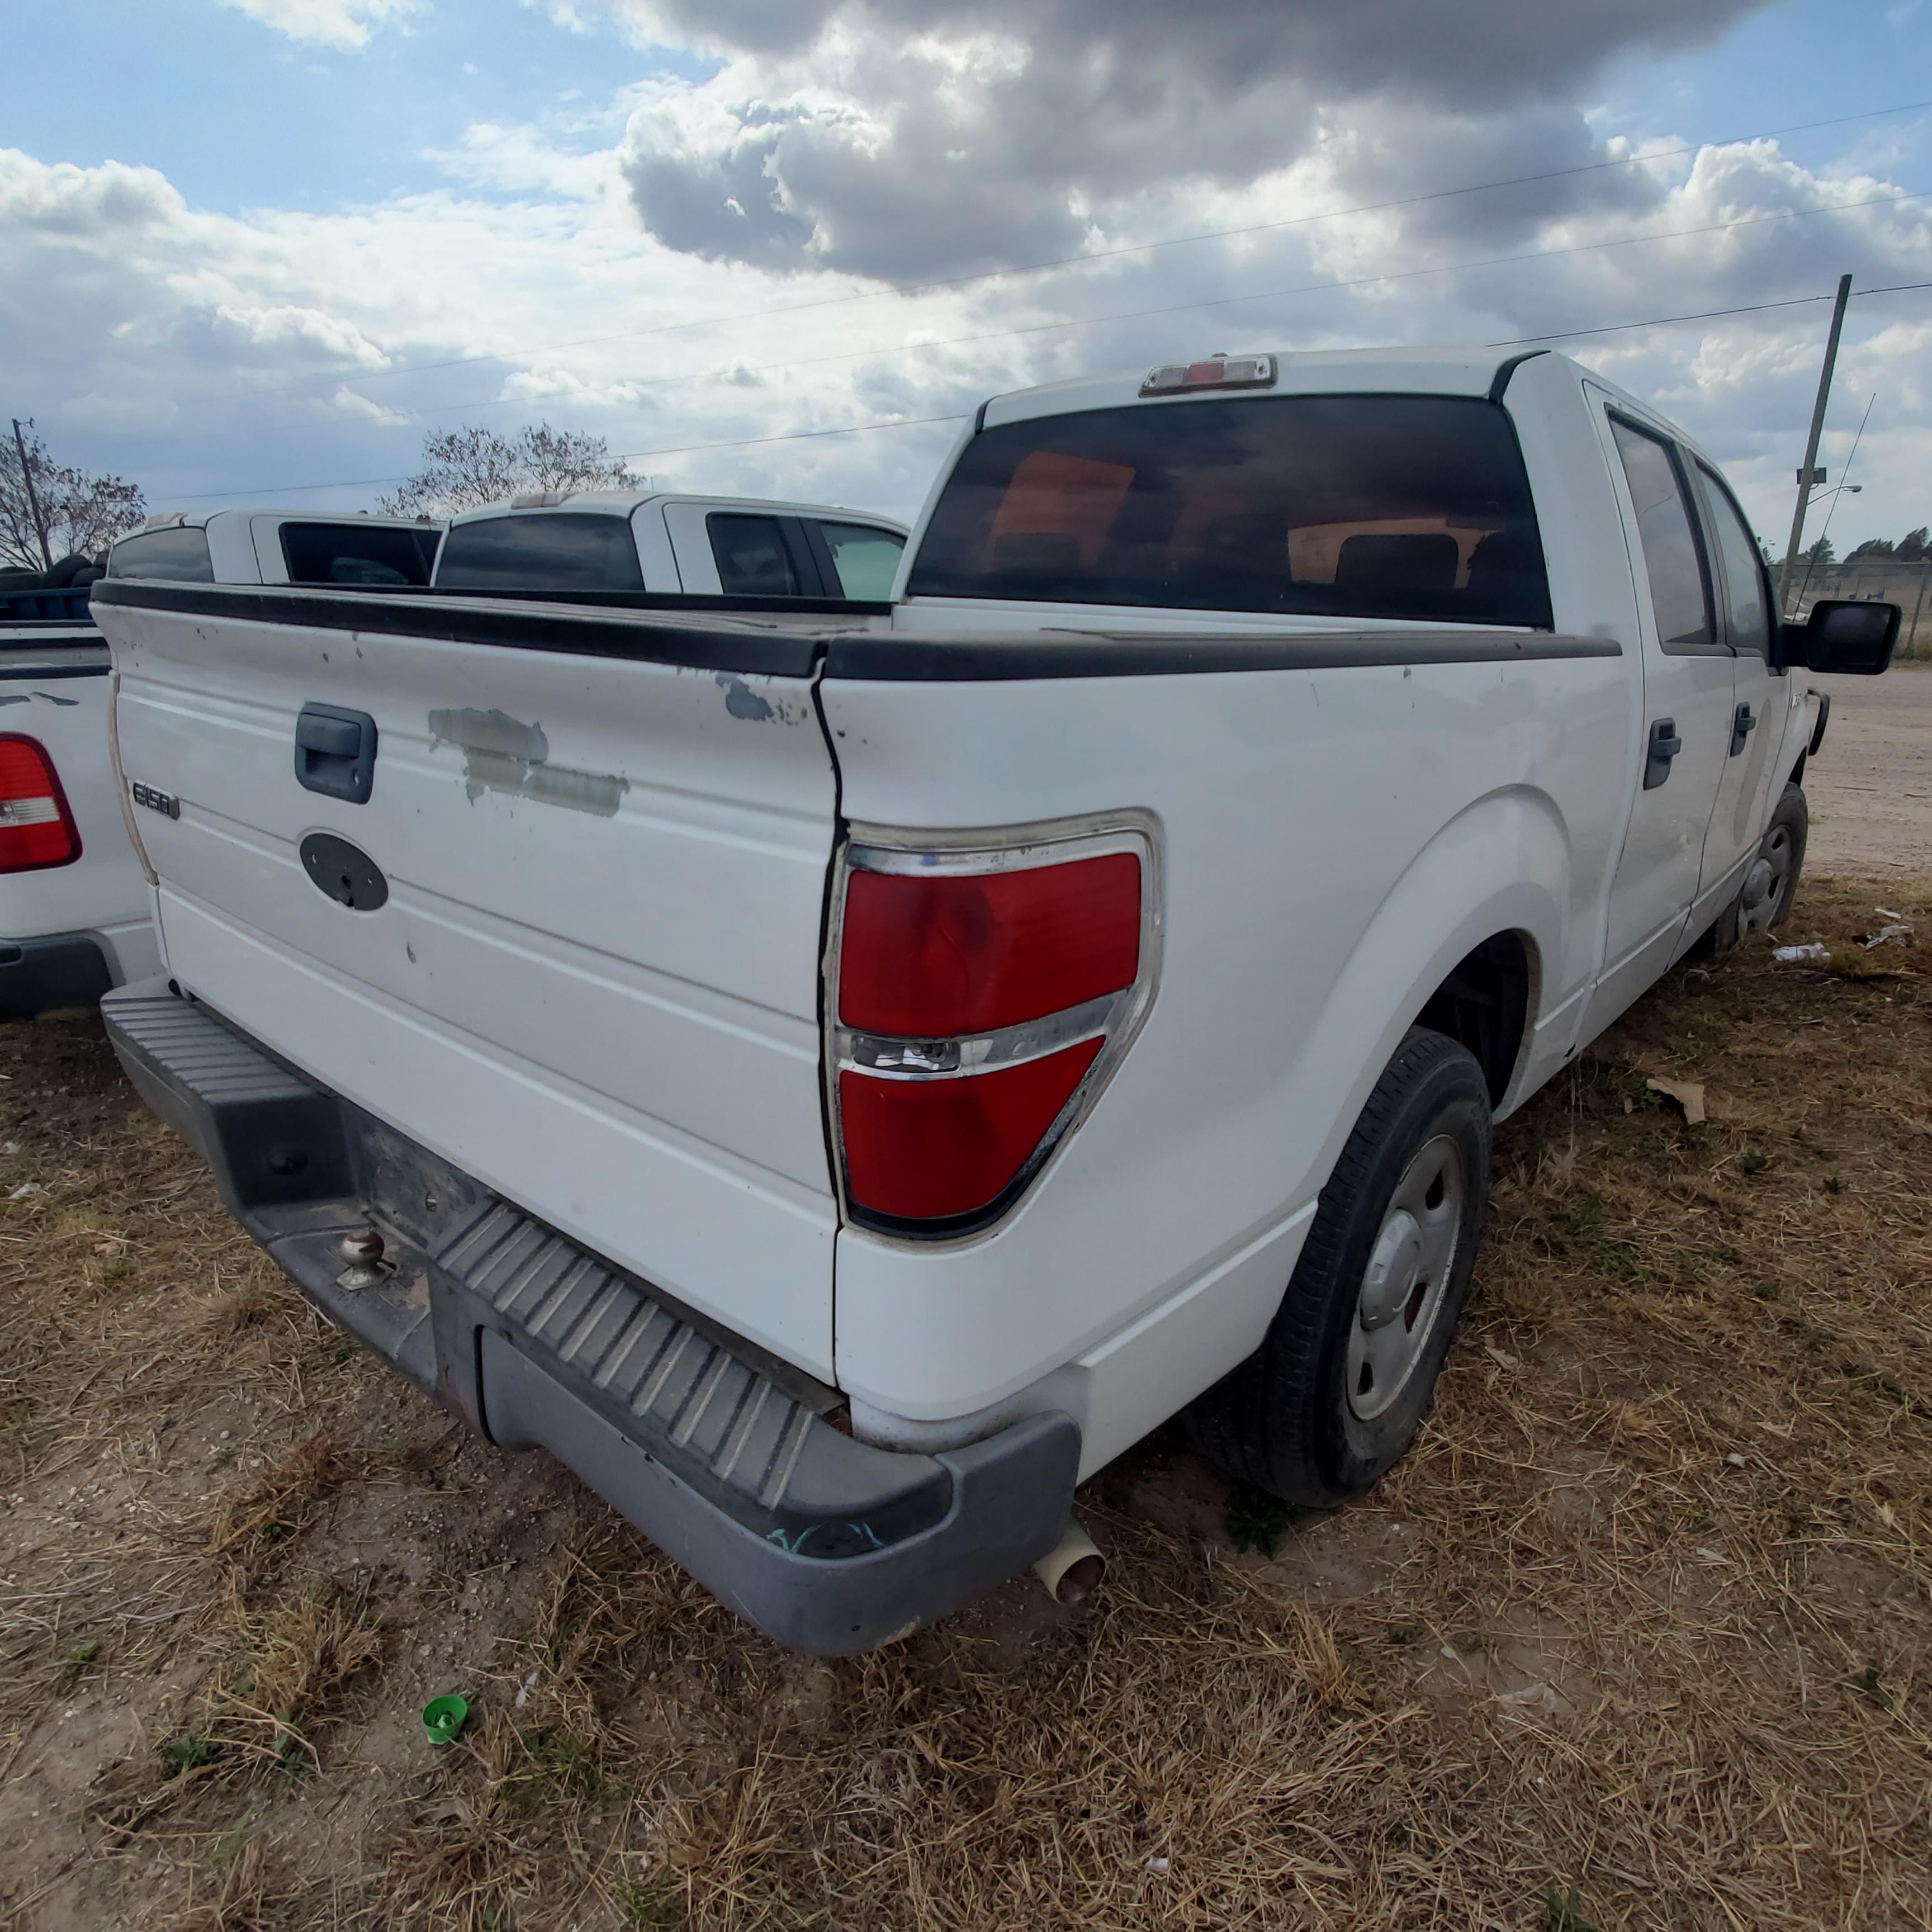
[(1285, 1420), (1791, 823)]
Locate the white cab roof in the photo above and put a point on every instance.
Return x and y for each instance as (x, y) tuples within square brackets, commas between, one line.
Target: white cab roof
[(199, 519), (1456, 371), (626, 502)]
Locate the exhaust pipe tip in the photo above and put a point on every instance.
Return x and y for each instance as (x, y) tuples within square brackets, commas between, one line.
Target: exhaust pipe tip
[(1072, 1570)]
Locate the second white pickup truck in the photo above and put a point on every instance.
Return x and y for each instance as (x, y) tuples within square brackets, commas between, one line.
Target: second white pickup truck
[(836, 1081), (595, 543)]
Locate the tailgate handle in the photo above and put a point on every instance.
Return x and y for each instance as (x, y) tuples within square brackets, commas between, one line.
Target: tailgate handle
[(335, 752)]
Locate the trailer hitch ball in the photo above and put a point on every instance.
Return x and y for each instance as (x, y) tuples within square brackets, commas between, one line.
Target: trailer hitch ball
[(362, 1248)]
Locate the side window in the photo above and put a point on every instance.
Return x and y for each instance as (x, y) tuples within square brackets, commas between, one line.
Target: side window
[(1744, 591), (866, 559), (542, 550), (178, 555), (751, 556), (365, 554), (1680, 593)]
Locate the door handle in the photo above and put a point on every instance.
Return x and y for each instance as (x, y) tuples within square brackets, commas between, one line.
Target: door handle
[(1664, 746), (335, 752), (1742, 724)]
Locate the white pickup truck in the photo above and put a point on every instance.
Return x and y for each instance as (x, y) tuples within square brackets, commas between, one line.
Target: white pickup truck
[(75, 914), (835, 1081)]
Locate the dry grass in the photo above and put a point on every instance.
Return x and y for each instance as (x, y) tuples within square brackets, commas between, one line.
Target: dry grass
[(1640, 1635)]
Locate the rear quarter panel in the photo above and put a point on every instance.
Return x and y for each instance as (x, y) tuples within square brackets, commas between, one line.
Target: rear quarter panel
[(1332, 841)]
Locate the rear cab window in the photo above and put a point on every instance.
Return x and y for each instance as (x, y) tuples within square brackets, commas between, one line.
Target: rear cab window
[(540, 549), (1398, 506), (179, 555), (376, 556)]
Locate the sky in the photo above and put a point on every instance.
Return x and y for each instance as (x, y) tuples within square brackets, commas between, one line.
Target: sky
[(252, 251)]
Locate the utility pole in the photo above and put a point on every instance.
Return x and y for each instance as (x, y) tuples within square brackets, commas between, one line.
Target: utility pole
[(33, 497), (1811, 475)]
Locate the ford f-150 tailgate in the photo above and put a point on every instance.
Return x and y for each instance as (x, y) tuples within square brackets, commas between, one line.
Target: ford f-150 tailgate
[(545, 894)]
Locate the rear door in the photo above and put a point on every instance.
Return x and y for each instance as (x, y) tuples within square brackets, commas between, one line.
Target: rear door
[(592, 978), (1757, 699), (1686, 718)]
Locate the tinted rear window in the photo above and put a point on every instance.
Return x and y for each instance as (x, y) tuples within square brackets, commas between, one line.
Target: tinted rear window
[(1372, 506), (544, 550), (177, 556), (346, 553)]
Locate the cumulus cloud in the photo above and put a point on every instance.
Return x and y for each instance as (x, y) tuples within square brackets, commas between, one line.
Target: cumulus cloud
[(342, 24), (673, 265), (901, 138)]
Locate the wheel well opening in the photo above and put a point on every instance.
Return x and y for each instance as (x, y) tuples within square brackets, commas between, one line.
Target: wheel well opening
[(1484, 1003)]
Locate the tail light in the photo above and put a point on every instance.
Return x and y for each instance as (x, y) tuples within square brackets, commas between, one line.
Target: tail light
[(36, 828), (980, 996)]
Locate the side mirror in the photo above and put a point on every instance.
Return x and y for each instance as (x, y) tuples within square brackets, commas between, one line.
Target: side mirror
[(1855, 639)]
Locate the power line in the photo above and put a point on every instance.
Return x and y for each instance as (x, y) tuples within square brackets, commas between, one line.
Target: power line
[(692, 378), (1698, 315), (1135, 248), (1174, 308)]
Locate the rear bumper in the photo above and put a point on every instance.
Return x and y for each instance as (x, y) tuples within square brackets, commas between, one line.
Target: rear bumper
[(724, 1458), (67, 969)]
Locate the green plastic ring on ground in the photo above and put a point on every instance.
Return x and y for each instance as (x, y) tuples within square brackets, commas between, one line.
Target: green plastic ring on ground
[(443, 1717)]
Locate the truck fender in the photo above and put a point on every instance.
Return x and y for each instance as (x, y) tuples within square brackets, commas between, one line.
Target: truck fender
[(1501, 864)]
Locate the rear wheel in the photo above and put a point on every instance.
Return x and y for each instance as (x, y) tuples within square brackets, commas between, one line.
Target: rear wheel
[(1338, 1389)]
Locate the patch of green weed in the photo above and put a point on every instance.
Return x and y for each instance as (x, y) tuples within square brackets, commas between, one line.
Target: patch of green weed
[(1257, 1521), (79, 1658)]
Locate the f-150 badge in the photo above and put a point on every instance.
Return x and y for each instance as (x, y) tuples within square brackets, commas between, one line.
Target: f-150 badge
[(155, 801)]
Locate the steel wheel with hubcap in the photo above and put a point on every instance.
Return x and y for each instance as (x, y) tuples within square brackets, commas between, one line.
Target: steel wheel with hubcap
[(1338, 1389), (1409, 1271)]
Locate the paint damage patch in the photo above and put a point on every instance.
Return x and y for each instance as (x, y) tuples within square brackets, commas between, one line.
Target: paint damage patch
[(502, 753), (742, 701)]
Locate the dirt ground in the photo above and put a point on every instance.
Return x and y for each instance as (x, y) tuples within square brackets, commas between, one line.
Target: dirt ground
[(1870, 786), (1640, 1635)]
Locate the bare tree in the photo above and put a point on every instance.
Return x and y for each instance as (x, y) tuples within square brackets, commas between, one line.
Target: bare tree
[(50, 511), (464, 469)]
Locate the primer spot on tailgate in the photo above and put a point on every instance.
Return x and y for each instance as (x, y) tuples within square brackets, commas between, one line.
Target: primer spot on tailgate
[(742, 701), (503, 753)]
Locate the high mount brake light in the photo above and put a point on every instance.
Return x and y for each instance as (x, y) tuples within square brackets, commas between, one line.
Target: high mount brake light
[(982, 998), (36, 828), (1219, 372)]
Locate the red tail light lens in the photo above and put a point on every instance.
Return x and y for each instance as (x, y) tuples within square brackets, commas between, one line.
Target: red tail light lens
[(978, 996), (928, 1150), (36, 828), (928, 956)]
